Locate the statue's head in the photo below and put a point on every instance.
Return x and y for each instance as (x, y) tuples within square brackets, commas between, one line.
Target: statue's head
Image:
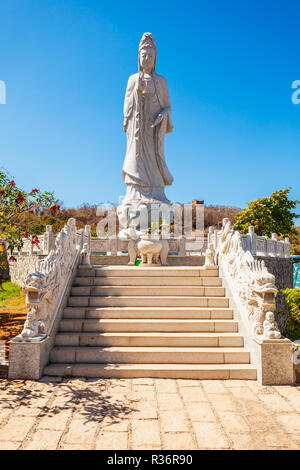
[(147, 53), (270, 317)]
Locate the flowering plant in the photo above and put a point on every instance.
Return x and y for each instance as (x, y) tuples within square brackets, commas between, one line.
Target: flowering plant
[(14, 202)]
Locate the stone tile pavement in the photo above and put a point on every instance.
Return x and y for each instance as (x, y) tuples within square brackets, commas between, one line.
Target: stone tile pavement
[(148, 414)]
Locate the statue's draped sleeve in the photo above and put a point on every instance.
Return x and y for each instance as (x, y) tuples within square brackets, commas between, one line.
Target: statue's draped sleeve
[(164, 98), (128, 103)]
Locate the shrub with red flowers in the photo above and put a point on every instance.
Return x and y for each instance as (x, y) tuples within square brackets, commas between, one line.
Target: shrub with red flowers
[(15, 202), (54, 208)]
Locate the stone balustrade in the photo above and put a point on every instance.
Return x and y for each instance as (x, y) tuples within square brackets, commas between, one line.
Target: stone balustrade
[(26, 259), (257, 245), (251, 289), (47, 288), (181, 245)]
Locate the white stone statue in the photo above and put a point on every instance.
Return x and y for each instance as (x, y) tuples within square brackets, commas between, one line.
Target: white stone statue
[(270, 327), (147, 118), (153, 252), (210, 255), (85, 255), (32, 326)]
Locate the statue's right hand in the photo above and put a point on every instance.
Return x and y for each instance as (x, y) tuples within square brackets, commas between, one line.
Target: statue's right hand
[(158, 120)]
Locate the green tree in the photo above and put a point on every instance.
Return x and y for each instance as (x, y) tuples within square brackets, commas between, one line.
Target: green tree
[(15, 202), (269, 215)]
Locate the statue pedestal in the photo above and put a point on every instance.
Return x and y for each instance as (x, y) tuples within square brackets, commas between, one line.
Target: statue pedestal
[(145, 214)]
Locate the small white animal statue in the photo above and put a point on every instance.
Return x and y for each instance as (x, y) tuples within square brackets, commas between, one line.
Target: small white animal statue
[(149, 251), (153, 252)]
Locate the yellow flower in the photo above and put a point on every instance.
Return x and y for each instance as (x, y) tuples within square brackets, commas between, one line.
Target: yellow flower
[(2, 248)]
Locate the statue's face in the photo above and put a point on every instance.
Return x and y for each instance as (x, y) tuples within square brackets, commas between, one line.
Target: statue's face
[(147, 57), (270, 316)]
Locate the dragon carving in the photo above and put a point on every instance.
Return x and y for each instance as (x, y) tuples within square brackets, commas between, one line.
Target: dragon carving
[(253, 283), (43, 287)]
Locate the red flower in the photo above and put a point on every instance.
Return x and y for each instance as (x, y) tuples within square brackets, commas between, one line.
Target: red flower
[(34, 191), (12, 258), (2, 192), (12, 183), (35, 240), (26, 234), (20, 198), (30, 212), (56, 207)]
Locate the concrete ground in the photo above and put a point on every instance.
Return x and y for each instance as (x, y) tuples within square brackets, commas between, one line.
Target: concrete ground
[(148, 414)]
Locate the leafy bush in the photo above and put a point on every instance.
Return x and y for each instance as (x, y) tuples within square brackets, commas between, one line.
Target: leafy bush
[(292, 297), (295, 242), (36, 228), (269, 215)]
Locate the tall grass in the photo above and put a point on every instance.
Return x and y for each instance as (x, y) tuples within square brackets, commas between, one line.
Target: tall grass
[(11, 296)]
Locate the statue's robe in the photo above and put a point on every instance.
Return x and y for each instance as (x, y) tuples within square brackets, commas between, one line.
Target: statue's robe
[(145, 171)]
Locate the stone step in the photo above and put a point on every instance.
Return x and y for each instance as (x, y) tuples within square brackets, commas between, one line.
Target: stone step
[(161, 271), (105, 291), (149, 355), (151, 339), (145, 301), (172, 371), (149, 312), (147, 325), (187, 281)]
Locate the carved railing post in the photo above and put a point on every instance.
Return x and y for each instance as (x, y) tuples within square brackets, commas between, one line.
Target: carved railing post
[(252, 236), (287, 247), (113, 245), (31, 245), (273, 245), (79, 238), (85, 246), (49, 240), (181, 246), (87, 236)]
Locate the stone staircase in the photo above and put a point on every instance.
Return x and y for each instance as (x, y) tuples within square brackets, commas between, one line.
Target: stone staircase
[(171, 322)]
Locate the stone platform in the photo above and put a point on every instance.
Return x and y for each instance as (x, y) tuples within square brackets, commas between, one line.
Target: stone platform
[(114, 260)]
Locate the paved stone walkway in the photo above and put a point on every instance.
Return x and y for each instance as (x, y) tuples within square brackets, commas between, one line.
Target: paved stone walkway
[(148, 414)]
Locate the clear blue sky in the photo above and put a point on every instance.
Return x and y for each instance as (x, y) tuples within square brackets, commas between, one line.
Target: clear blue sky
[(229, 66)]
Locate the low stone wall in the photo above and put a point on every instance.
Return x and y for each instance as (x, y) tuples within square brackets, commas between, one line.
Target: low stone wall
[(24, 265), (282, 269)]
